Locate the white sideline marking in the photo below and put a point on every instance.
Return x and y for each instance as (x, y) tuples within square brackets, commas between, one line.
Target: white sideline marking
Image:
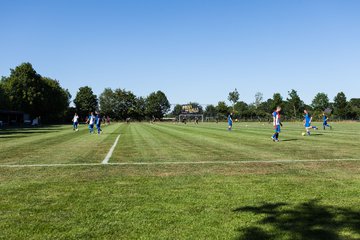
[(108, 156), (170, 163)]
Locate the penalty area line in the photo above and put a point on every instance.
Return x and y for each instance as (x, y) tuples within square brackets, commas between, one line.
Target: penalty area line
[(109, 154), (174, 163)]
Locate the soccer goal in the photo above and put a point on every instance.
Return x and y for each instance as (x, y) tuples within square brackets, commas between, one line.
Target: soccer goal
[(191, 118)]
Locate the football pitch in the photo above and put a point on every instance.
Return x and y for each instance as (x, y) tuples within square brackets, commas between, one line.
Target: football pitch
[(176, 181)]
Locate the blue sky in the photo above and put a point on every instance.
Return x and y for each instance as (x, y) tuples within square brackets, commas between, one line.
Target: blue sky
[(192, 50)]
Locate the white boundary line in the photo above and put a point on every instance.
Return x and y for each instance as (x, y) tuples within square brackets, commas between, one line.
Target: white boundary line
[(172, 163), (109, 154)]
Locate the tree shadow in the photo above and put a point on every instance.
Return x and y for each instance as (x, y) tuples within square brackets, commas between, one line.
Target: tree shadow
[(23, 131), (309, 220)]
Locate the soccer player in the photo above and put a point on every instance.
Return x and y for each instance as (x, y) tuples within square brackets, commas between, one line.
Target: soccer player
[(325, 122), (98, 122), (91, 121), (230, 121), (75, 122), (307, 122), (276, 124)]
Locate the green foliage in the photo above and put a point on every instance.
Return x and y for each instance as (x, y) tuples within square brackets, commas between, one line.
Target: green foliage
[(341, 105), (210, 111), (320, 102), (277, 101), (222, 109), (107, 102), (234, 96), (258, 99), (294, 103), (26, 90), (85, 101), (177, 110), (157, 105), (354, 108)]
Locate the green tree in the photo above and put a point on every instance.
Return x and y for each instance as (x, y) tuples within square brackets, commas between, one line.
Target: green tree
[(177, 110), (354, 108), (55, 100), (295, 103), (4, 100), (222, 109), (210, 111), (320, 102), (24, 87), (277, 101), (241, 109), (26, 90), (124, 104), (340, 105), (157, 105), (85, 101), (140, 108), (107, 102), (258, 99), (234, 97)]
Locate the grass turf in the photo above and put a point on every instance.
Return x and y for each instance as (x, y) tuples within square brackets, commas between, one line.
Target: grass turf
[(312, 200)]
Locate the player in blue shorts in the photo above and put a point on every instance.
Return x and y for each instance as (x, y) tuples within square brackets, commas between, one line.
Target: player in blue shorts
[(98, 122), (307, 123), (75, 122), (276, 124), (91, 122), (325, 122), (230, 122)]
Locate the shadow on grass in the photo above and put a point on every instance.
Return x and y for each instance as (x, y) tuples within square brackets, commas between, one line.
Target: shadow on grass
[(309, 220), (26, 130), (290, 140)]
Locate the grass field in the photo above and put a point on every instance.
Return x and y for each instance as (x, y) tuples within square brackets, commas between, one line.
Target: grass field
[(172, 181)]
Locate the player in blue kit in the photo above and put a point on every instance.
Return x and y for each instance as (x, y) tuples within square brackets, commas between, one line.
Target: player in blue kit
[(307, 123), (230, 122), (91, 122), (325, 122), (98, 122), (276, 124)]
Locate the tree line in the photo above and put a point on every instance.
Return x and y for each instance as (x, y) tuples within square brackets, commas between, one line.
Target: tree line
[(292, 107), (27, 91)]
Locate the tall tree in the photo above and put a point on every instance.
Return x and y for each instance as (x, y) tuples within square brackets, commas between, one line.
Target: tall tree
[(177, 110), (277, 101), (222, 109), (241, 109), (210, 111), (258, 99), (340, 105), (4, 101), (320, 102), (26, 90), (85, 101), (157, 105), (124, 104), (55, 100), (107, 102), (354, 106), (294, 102), (234, 97), (24, 87), (140, 108)]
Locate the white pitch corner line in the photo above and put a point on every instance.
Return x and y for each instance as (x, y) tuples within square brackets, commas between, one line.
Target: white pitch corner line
[(109, 154)]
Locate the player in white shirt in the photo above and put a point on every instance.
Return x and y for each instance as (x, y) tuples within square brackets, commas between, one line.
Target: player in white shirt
[(75, 122)]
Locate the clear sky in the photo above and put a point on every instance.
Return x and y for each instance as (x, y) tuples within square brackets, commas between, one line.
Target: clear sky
[(192, 50)]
